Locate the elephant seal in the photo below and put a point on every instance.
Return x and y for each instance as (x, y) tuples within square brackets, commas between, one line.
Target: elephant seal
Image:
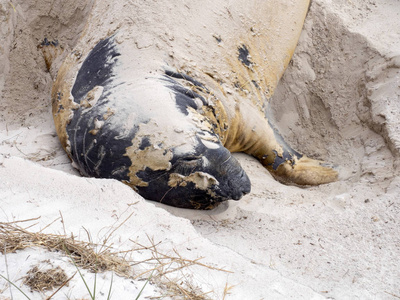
[(161, 107)]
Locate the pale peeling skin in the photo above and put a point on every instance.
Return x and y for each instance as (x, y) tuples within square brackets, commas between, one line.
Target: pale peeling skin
[(201, 180), (168, 135), (153, 157)]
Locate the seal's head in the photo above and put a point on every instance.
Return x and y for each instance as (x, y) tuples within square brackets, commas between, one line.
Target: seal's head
[(199, 179)]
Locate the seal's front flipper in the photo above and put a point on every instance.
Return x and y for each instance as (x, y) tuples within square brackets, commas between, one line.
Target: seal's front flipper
[(250, 132), (291, 167), (305, 171)]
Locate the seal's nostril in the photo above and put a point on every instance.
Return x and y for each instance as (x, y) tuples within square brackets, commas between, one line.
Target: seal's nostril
[(246, 189), (246, 186), (238, 191), (237, 197)]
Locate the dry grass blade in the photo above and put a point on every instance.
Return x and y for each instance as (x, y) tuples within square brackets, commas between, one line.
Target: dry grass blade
[(115, 229), (227, 290), (392, 295), (13, 237), (180, 289), (61, 286)]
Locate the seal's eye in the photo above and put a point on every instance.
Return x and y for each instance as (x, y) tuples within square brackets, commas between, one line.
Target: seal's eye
[(190, 158), (190, 161), (186, 165)]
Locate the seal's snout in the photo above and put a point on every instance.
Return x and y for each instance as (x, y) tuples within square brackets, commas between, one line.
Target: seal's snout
[(246, 184), (239, 193), (240, 187), (234, 182)]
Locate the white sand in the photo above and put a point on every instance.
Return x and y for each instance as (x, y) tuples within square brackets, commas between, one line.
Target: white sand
[(338, 100)]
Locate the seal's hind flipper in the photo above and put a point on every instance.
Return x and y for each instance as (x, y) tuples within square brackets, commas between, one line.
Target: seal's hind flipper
[(51, 51)]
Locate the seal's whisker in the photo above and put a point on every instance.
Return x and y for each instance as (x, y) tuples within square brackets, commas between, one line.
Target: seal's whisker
[(162, 198)]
